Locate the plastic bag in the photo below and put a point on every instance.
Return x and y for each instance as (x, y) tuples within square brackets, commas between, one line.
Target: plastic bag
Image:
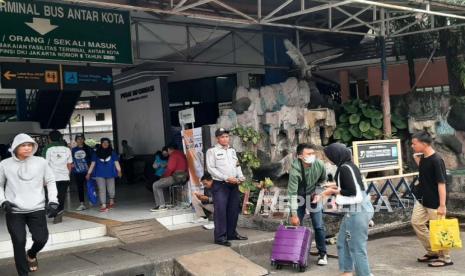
[(444, 234), (91, 192)]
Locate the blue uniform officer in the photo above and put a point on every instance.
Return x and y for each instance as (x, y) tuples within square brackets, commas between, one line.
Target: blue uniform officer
[(223, 165)]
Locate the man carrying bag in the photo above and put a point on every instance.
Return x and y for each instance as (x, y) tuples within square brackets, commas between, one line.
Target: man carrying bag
[(431, 197)]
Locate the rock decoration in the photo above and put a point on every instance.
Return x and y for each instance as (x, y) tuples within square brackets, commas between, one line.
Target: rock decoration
[(444, 121), (279, 113)]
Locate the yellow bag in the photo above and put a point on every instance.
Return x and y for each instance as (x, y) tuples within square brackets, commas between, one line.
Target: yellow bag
[(444, 234)]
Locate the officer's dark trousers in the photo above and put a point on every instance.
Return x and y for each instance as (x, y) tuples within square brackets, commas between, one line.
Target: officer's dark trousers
[(16, 224), (226, 202)]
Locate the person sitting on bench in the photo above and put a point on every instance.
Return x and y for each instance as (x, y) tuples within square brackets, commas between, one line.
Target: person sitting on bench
[(175, 173)]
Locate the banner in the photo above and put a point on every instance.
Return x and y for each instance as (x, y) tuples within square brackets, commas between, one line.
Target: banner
[(192, 143)]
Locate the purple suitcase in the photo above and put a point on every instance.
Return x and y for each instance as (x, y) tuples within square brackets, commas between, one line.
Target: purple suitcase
[(291, 247)]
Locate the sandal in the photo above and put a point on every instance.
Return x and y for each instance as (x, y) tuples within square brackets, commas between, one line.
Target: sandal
[(440, 263), (33, 264), (427, 258)]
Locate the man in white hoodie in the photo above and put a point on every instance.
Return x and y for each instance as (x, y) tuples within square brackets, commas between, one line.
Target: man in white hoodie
[(23, 178)]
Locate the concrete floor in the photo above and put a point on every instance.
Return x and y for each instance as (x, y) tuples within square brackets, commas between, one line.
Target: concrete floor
[(389, 256), (394, 255), (133, 202), (154, 257)]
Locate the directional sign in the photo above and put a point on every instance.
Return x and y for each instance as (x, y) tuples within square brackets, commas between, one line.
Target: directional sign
[(30, 76), (55, 77), (53, 31), (87, 78)]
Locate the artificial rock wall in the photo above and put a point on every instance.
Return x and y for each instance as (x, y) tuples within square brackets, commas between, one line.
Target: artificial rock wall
[(279, 113)]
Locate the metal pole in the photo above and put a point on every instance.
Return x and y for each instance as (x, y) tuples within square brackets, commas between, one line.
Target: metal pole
[(384, 80), (136, 26), (70, 132), (233, 41), (82, 124), (297, 39)]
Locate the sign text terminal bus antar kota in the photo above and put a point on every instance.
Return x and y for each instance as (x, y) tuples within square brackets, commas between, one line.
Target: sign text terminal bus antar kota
[(63, 12)]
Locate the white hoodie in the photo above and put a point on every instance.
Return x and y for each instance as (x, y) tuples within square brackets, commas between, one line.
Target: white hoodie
[(23, 182)]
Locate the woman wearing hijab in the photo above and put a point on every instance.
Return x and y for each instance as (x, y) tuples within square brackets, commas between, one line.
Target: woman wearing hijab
[(105, 168), (353, 201)]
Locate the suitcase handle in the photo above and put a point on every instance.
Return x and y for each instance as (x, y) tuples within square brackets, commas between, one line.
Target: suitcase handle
[(291, 227)]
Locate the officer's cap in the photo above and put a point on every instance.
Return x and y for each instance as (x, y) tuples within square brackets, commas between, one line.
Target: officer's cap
[(221, 131)]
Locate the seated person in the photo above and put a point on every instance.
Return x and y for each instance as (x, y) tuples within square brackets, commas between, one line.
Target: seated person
[(157, 168), (175, 172), (203, 203)]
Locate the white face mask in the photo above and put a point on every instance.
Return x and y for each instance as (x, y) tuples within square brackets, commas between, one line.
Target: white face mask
[(310, 159)]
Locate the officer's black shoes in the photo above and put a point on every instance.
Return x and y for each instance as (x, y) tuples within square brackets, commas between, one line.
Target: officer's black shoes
[(223, 243), (239, 238)]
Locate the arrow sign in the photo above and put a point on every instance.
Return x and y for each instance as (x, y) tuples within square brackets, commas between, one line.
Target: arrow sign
[(8, 75), (108, 79), (41, 25)]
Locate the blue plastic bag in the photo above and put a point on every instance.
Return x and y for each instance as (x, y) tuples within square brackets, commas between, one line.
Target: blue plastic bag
[(91, 192)]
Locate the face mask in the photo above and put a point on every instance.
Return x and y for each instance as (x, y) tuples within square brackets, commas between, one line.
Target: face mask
[(310, 159)]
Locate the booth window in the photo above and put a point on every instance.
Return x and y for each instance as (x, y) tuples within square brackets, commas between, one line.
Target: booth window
[(100, 117)]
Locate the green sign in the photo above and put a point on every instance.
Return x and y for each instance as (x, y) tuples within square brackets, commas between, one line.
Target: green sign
[(43, 30)]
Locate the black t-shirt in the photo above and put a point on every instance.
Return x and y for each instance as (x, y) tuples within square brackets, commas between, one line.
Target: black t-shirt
[(345, 179), (432, 171)]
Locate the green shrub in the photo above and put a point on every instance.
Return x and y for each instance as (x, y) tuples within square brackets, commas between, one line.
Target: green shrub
[(359, 120)]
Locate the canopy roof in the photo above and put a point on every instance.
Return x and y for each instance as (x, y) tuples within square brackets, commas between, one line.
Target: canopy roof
[(357, 17)]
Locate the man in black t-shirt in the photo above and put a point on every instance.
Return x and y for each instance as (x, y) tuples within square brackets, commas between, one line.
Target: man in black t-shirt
[(431, 196)]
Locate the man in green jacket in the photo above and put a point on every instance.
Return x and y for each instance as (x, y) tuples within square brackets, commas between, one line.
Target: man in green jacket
[(307, 172)]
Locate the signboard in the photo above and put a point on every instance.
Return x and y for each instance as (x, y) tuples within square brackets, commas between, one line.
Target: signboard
[(378, 155), (53, 31), (87, 78), (186, 116), (55, 77), (31, 76), (139, 116)]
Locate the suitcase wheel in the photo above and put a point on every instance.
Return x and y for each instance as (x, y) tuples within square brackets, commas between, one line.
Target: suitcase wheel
[(279, 266), (273, 263), (302, 268)]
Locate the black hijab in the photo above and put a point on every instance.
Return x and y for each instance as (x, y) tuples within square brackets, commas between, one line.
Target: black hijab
[(338, 154), (103, 153)]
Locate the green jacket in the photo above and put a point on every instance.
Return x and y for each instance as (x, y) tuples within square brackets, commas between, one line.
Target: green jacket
[(315, 175)]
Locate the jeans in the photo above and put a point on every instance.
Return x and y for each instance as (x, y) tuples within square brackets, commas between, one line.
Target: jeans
[(16, 224), (316, 216), (352, 239)]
